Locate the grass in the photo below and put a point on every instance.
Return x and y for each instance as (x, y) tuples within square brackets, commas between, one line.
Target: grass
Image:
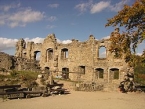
[(17, 77)]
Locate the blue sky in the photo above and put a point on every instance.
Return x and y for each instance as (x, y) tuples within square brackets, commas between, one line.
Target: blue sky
[(33, 20)]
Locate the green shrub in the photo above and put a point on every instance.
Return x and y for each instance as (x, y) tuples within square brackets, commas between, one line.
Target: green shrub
[(18, 76), (13, 73)]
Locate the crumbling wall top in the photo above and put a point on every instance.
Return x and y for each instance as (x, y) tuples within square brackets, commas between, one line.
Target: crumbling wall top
[(20, 45), (50, 38)]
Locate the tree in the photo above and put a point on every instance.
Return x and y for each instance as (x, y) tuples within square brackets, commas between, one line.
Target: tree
[(120, 44), (133, 19)]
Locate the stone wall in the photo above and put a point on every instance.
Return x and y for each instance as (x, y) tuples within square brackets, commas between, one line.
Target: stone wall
[(75, 58), (6, 61), (26, 64)]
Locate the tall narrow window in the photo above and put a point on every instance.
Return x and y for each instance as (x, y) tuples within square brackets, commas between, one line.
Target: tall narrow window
[(99, 73), (49, 54), (82, 69), (47, 69), (65, 73), (37, 55), (115, 73), (102, 52), (24, 54), (64, 53)]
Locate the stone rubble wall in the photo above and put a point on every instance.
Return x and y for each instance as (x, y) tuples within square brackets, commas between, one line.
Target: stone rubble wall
[(80, 54), (5, 61), (81, 57), (8, 63)]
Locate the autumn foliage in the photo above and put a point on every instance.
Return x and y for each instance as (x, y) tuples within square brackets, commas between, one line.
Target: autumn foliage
[(133, 19)]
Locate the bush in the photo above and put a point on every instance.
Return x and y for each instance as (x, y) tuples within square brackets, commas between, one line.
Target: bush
[(18, 76), (140, 75), (13, 73)]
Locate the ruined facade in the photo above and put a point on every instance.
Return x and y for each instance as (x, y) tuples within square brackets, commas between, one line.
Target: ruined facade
[(9, 62), (6, 61), (75, 60)]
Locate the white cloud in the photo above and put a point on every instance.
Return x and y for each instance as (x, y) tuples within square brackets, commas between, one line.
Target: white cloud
[(40, 40), (35, 40), (14, 24), (6, 43), (93, 7), (107, 37), (98, 7), (52, 18), (64, 41), (8, 7), (118, 6), (53, 5), (82, 7), (21, 18), (26, 16), (51, 26)]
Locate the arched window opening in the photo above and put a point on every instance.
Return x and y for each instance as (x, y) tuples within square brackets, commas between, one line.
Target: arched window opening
[(24, 54), (49, 53), (102, 52), (64, 53), (47, 70), (65, 73), (37, 55), (82, 69), (99, 72), (114, 73)]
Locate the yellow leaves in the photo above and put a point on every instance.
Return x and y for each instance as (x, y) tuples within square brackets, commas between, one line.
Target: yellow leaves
[(125, 19), (127, 13), (120, 44), (133, 19), (136, 4)]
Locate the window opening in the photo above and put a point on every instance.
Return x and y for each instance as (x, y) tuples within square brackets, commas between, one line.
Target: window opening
[(102, 52), (99, 73), (82, 69), (115, 73), (49, 54), (65, 73), (37, 55), (64, 53)]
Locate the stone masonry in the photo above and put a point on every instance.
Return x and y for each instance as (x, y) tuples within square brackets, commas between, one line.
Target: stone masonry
[(75, 60), (9, 62), (6, 62)]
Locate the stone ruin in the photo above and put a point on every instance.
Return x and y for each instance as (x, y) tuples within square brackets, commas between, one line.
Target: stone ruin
[(76, 61), (6, 61)]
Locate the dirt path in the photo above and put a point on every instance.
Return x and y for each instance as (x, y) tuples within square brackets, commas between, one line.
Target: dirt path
[(80, 100)]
